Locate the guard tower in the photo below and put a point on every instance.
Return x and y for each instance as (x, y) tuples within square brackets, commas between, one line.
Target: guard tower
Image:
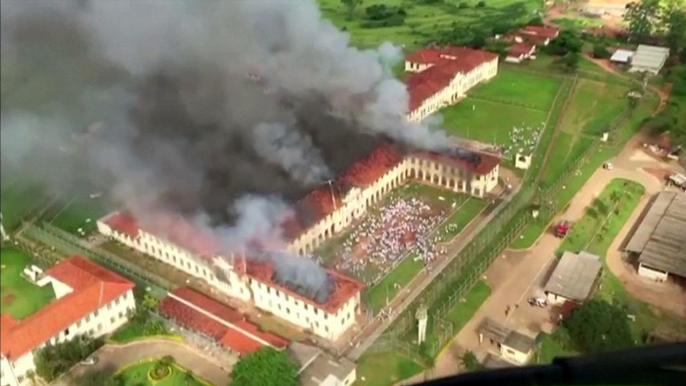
[(422, 317)]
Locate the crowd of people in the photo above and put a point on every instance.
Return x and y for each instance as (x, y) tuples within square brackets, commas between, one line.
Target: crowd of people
[(524, 140), (383, 238)]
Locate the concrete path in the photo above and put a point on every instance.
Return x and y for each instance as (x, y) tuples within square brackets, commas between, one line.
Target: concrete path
[(516, 275), (113, 357)]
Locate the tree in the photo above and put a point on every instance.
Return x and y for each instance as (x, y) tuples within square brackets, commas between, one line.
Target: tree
[(350, 6), (642, 17), (463, 5), (470, 362), (567, 41), (675, 23), (265, 367), (481, 4), (570, 62), (600, 51), (536, 20), (598, 326), (53, 360)]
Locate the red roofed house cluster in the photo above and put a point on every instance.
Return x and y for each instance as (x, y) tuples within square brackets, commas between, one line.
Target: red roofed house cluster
[(443, 76), (89, 299), (525, 40), (320, 215)]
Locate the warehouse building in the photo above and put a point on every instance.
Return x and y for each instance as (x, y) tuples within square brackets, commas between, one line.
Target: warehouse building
[(649, 59), (660, 240), (574, 278)]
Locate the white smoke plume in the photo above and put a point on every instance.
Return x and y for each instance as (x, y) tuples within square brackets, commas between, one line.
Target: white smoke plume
[(218, 111)]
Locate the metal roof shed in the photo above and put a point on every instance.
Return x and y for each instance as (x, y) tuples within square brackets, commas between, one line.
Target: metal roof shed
[(649, 59), (574, 276), (622, 56)]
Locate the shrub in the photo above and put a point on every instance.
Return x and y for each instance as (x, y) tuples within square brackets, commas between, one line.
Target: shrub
[(463, 5), (601, 52), (481, 4)]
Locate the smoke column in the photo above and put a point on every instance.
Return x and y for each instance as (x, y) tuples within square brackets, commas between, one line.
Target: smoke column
[(218, 111)]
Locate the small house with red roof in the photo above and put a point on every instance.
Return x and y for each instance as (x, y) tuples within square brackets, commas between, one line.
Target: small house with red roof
[(89, 299), (443, 76), (534, 34), (520, 52)]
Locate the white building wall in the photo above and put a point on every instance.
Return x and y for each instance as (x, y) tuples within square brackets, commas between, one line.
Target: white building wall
[(328, 325), (651, 273), (98, 323), (457, 88), (556, 299), (513, 356)]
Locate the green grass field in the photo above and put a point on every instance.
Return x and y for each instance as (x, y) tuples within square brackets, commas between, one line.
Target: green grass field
[(385, 369), (18, 200), (466, 212), (510, 111), (20, 298), (575, 181), (137, 375), (424, 22), (465, 310), (392, 283), (79, 212)]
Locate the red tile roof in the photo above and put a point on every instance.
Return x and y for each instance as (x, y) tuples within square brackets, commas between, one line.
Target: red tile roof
[(542, 31), (92, 288), (345, 288), (519, 49), (172, 228), (372, 167), (235, 333), (447, 62)]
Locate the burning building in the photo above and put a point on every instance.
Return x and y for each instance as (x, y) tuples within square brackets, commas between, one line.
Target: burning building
[(294, 288)]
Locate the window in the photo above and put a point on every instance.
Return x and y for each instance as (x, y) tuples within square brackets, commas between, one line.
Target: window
[(88, 318), (99, 326), (116, 301), (112, 319), (95, 314), (288, 310), (109, 306), (66, 332), (121, 314), (78, 324), (326, 328)]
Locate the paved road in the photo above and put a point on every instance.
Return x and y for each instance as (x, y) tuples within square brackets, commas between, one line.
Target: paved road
[(113, 357), (518, 274)]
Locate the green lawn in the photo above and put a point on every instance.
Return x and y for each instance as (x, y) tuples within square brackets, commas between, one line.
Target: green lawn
[(18, 200), (618, 198), (133, 331), (594, 107), (466, 212), (520, 89), (137, 375), (465, 310), (385, 369), (510, 110), (491, 122), (392, 283), (424, 22), (577, 22), (80, 211), (20, 298), (575, 181)]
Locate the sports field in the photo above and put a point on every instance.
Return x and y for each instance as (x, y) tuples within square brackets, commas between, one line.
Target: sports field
[(20, 298), (425, 20), (509, 111)]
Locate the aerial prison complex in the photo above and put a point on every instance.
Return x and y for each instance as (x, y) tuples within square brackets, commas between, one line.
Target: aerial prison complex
[(89, 299), (320, 215)]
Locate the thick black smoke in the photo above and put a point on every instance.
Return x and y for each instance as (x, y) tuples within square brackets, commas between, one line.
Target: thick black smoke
[(223, 112)]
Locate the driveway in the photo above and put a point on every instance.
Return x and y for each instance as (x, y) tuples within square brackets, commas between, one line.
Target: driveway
[(516, 275), (113, 357)]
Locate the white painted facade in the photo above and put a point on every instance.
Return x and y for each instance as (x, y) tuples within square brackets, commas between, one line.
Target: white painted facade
[(103, 321), (356, 202), (515, 356), (652, 273), (456, 90)]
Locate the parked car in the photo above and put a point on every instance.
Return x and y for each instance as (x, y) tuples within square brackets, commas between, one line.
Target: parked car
[(608, 166), (562, 228), (90, 361), (538, 302)]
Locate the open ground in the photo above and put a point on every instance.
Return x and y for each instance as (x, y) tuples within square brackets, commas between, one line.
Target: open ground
[(424, 21), (137, 375), (20, 298)]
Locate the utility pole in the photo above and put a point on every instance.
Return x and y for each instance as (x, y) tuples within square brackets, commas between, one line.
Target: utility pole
[(5, 237)]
